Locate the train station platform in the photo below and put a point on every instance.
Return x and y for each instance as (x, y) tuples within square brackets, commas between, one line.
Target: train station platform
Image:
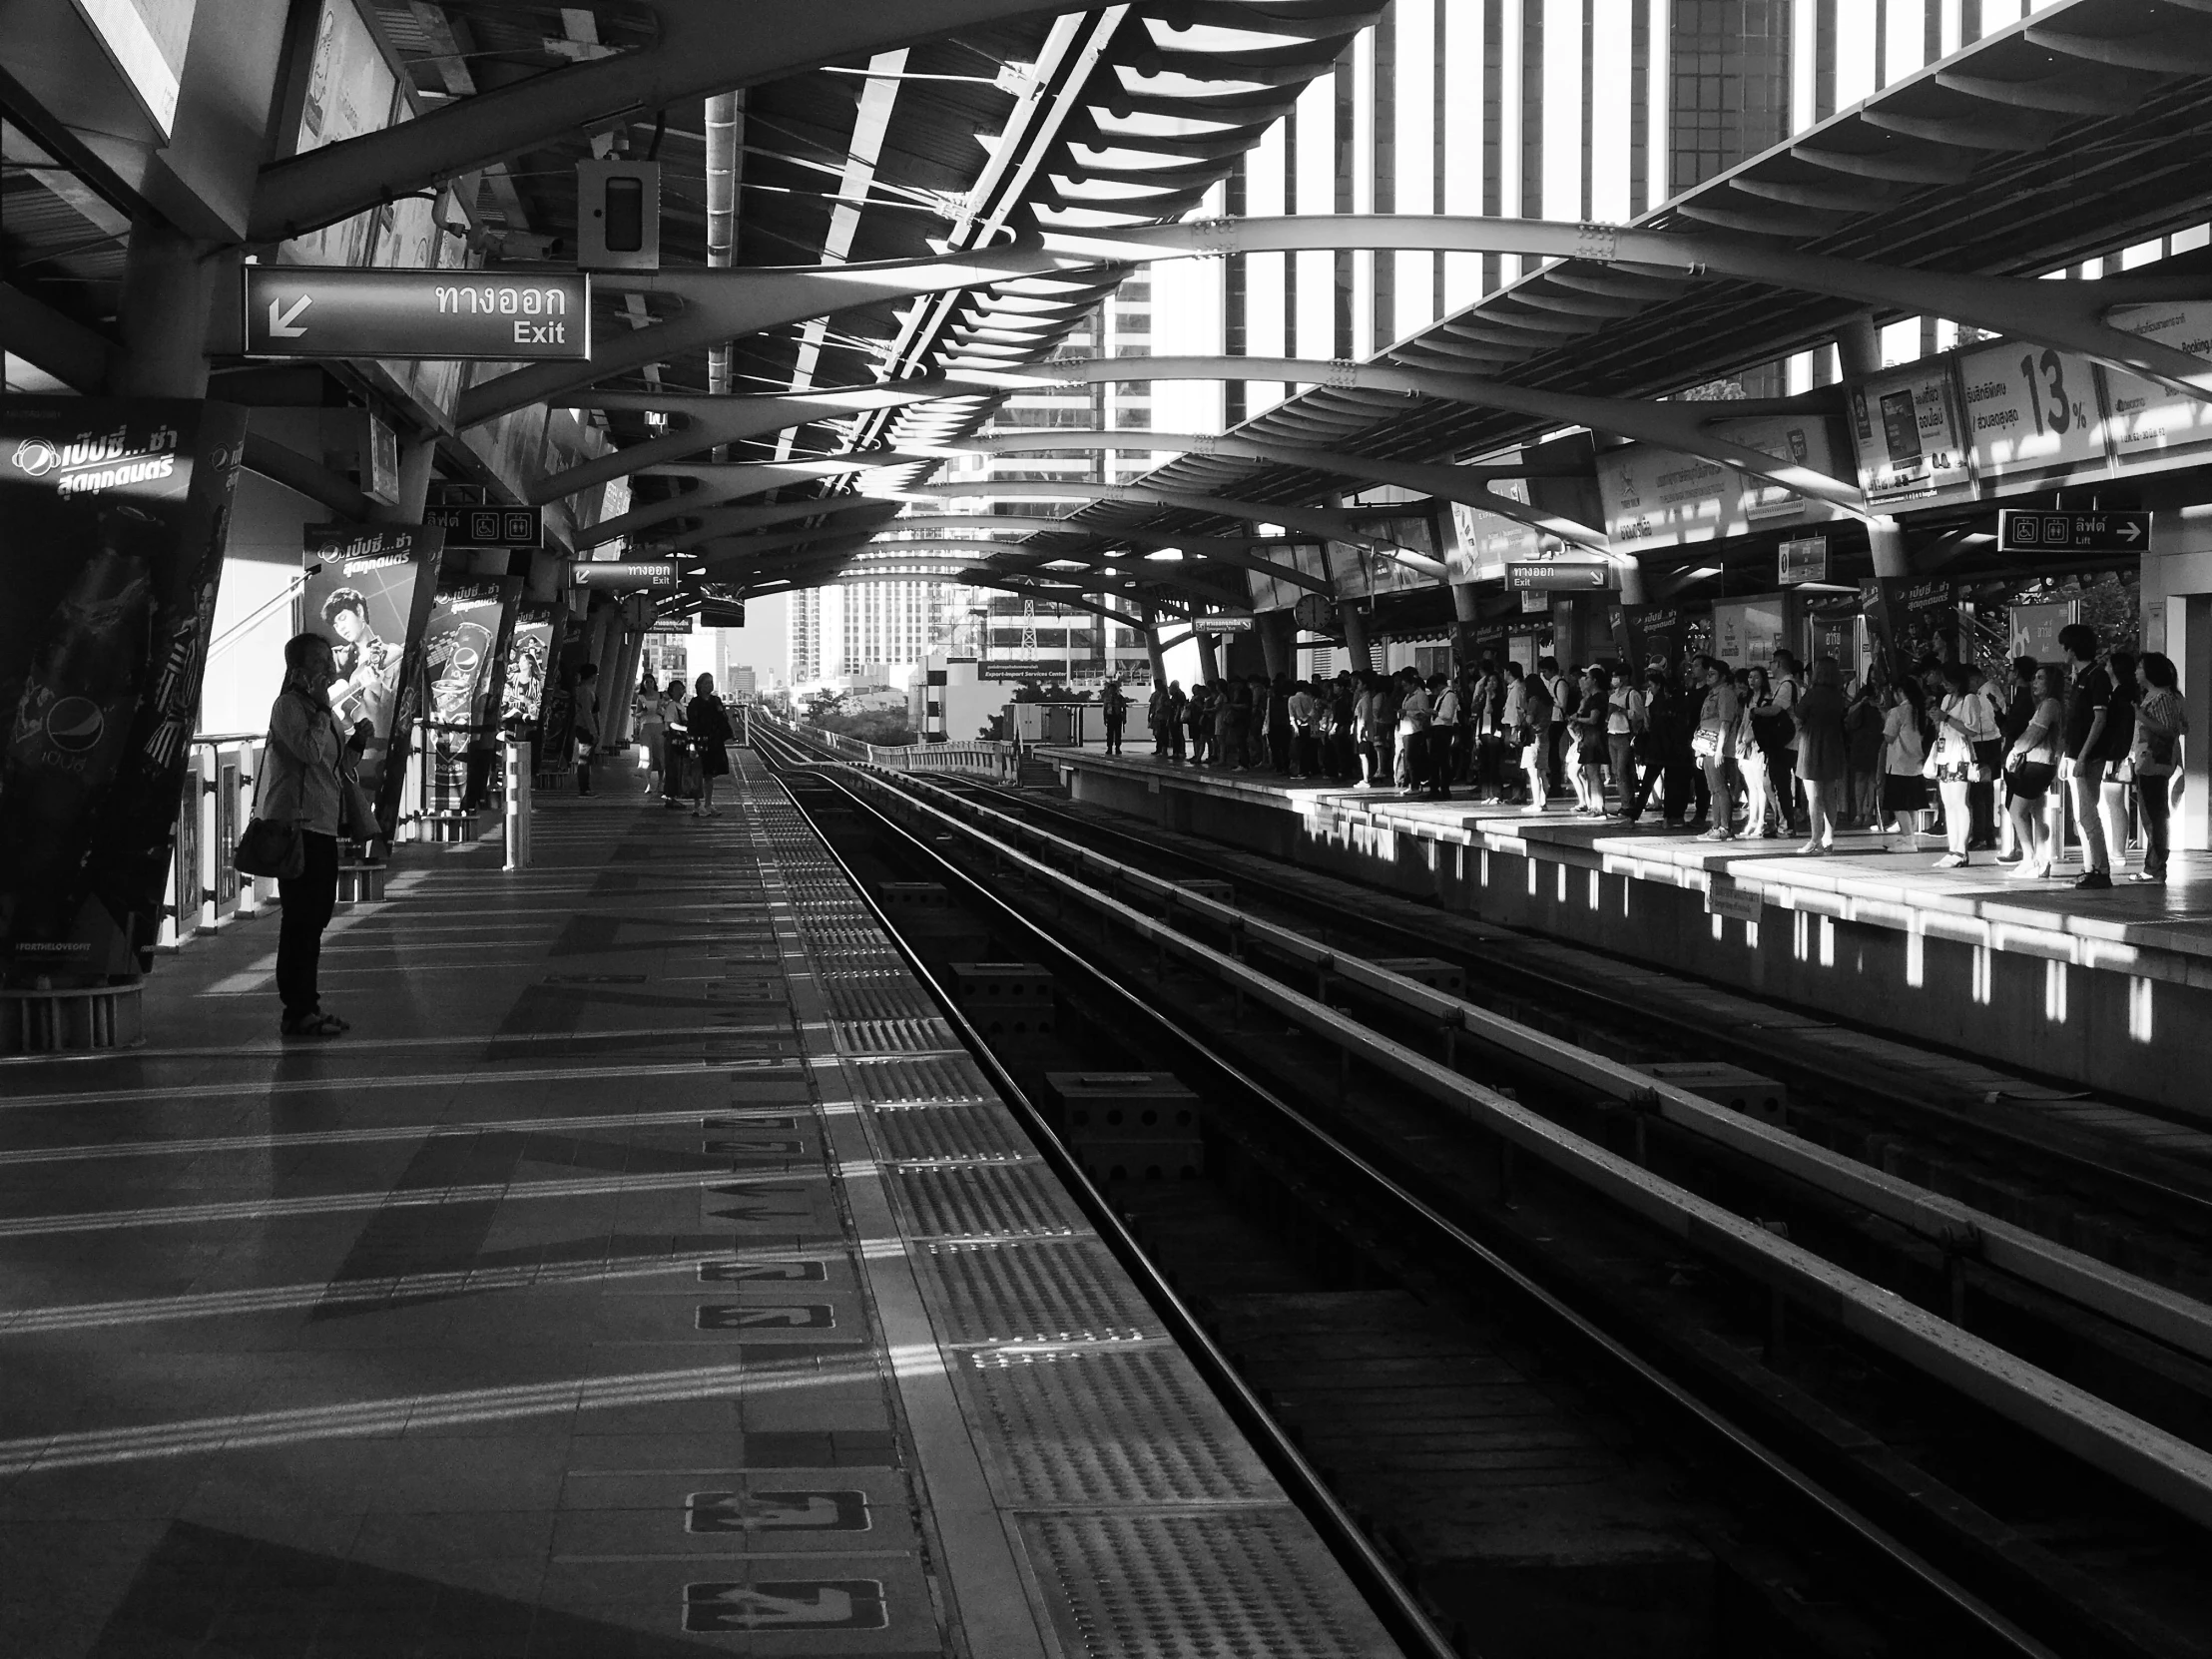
[(648, 1272), (2102, 991)]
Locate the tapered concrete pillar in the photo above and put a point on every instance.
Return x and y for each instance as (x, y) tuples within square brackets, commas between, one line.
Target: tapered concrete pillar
[(1355, 637), (167, 281), (1278, 643), (1158, 657), (1209, 666), (1466, 612)]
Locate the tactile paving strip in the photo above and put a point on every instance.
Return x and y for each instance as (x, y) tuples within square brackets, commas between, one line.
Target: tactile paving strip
[(939, 1077), (1052, 1290), (950, 1130), (1199, 1587), (892, 996), (984, 1200), (894, 1036), (1113, 1425)]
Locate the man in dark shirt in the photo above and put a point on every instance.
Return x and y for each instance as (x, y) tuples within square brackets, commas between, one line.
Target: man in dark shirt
[(2088, 711)]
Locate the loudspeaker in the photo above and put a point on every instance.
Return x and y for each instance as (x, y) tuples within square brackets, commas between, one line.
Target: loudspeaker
[(618, 215)]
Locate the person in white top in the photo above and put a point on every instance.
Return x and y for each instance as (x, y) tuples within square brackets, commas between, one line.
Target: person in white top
[(1965, 719), (1904, 789), (1625, 720)]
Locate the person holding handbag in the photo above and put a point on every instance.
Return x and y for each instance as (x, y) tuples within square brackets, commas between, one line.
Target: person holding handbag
[(2161, 722), (1713, 743), (710, 731), (301, 789), (2036, 809)]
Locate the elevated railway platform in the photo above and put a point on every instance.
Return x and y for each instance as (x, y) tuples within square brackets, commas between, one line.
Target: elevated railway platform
[(2096, 989), (649, 1270)]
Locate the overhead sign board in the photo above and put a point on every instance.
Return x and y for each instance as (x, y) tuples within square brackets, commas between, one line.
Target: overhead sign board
[(1558, 575), (488, 526), (1222, 624), (623, 574), (1907, 433), (2023, 530), (321, 311), (1803, 560), (2030, 412)]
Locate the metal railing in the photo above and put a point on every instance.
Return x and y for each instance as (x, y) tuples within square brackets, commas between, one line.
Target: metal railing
[(1000, 762), (211, 810)]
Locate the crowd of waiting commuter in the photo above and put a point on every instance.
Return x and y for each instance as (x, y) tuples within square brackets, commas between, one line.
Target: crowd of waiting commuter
[(1987, 763)]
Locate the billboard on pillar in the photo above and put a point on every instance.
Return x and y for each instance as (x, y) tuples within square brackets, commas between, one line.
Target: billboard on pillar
[(1657, 498), (369, 590), (529, 645), (117, 513), (459, 649)]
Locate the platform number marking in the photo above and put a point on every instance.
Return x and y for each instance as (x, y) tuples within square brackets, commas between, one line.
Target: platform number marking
[(806, 1603), (806, 1512), (737, 1316)]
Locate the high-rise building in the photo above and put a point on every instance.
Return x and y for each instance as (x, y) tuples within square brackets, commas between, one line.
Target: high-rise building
[(806, 635)]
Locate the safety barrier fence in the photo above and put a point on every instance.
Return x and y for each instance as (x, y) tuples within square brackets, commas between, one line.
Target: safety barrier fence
[(1000, 762)]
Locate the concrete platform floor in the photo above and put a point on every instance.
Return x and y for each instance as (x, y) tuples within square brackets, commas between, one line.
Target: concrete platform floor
[(553, 1310)]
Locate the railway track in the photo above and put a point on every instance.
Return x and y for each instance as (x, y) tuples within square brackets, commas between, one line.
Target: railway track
[(1742, 1306)]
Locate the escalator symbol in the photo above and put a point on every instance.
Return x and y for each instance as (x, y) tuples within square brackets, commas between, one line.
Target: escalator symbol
[(807, 1603)]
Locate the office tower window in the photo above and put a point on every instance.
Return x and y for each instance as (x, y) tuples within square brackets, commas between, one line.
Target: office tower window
[(1731, 71)]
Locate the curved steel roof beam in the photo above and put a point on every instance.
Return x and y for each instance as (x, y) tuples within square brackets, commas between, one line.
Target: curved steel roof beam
[(704, 47), (1681, 427), (724, 303), (1329, 524), (732, 481), (1466, 484), (711, 420), (1160, 578)]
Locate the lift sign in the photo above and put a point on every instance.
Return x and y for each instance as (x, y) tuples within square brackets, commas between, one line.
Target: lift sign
[(490, 317)]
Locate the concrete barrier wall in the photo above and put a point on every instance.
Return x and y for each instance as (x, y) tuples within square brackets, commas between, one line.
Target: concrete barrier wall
[(2133, 1029)]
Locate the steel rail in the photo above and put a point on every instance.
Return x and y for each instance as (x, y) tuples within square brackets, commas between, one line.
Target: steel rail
[(2143, 1456), (1770, 1465), (2152, 1309), (1391, 1601)]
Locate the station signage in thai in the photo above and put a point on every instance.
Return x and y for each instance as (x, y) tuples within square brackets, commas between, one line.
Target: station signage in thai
[(1558, 576), (488, 526), (1222, 624), (623, 575), (320, 312), (2025, 530)]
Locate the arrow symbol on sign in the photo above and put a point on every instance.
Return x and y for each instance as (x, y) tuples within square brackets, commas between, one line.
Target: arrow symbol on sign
[(279, 322), (2129, 532)]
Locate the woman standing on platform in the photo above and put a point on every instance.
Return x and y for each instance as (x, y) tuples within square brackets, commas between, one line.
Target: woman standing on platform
[(1719, 719), (710, 731), (668, 710), (2161, 722), (1822, 754), (1904, 753), (2035, 812), (646, 720), (1764, 761), (300, 785), (1535, 734), (1965, 721)]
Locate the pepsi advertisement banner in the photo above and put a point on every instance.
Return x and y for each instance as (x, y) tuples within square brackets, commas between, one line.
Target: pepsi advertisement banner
[(116, 512), (522, 696), (368, 591)]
